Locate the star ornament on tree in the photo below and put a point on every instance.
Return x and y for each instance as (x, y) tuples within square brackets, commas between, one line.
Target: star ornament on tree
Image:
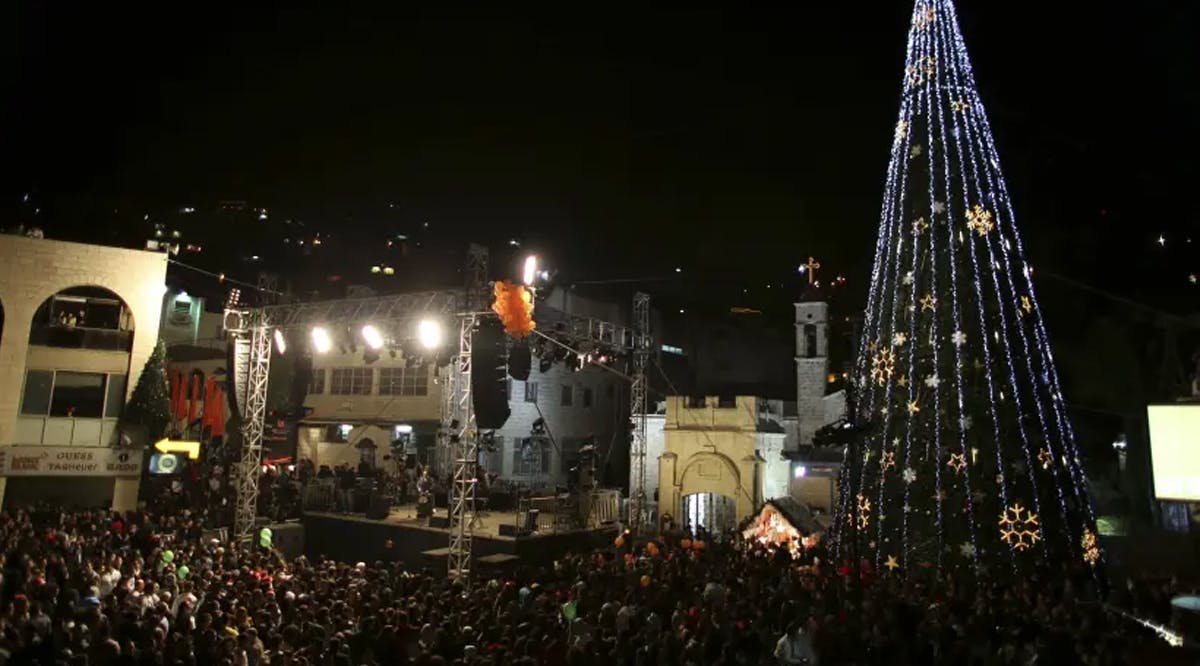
[(1026, 304), (1045, 458), (960, 105), (957, 462), (889, 460), (913, 407), (891, 563), (920, 225), (928, 302)]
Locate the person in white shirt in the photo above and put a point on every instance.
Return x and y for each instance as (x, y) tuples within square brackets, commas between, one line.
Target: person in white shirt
[(795, 647)]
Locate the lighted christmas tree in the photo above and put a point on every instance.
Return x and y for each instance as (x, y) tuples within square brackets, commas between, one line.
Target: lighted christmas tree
[(966, 455), (149, 410)]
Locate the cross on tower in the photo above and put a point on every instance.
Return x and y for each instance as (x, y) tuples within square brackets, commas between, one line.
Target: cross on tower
[(811, 269)]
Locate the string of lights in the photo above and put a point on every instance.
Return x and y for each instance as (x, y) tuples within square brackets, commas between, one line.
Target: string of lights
[(962, 418)]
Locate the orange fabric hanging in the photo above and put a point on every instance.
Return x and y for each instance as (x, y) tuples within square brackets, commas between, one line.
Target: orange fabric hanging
[(210, 399)]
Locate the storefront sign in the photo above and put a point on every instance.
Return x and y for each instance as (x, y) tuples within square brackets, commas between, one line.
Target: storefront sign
[(69, 461)]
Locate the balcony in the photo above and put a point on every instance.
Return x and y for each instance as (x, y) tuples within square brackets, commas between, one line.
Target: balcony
[(79, 337), (65, 431)]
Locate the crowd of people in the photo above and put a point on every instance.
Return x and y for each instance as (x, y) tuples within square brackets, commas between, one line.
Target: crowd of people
[(156, 588)]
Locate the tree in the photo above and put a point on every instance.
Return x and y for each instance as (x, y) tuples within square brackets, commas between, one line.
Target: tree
[(965, 455), (149, 408)]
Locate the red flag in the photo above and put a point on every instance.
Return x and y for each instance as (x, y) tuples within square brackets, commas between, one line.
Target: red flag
[(218, 424), (210, 403), (174, 393), (181, 406), (192, 405)]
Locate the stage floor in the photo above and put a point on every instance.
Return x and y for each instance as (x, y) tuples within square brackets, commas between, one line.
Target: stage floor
[(487, 523)]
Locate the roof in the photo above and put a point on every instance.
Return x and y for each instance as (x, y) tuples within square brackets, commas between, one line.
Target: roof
[(812, 295), (796, 513)]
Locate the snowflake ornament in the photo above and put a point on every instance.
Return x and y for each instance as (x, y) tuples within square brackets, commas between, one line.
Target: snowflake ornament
[(915, 151), (908, 278), (938, 207), (979, 220), (1091, 549), (909, 475), (883, 365), (967, 549), (959, 338), (899, 339), (932, 381), (1019, 527)]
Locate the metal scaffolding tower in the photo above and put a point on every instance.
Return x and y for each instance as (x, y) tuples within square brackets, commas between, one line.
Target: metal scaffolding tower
[(637, 411), (252, 364), (460, 436)]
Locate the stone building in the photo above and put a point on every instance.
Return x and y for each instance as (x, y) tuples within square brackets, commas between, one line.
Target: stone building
[(77, 323)]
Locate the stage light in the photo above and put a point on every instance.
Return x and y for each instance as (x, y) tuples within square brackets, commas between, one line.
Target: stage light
[(429, 334), (372, 337), (531, 271), (322, 343), (376, 269), (280, 342)]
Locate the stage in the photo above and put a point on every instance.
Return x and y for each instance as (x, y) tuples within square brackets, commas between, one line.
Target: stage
[(355, 538)]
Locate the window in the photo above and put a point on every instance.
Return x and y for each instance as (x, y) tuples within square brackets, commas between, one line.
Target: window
[(350, 381), (810, 341), (531, 456), (316, 385), (73, 394), (587, 396), (508, 382), (531, 391), (38, 384), (404, 381), (339, 433), (696, 402), (568, 395), (78, 394), (727, 402), (114, 401), (570, 452)]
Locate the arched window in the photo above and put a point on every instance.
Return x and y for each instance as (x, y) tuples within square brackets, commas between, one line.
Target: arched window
[(810, 341), (83, 318)]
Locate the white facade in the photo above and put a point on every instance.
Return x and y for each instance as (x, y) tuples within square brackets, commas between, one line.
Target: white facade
[(68, 361)]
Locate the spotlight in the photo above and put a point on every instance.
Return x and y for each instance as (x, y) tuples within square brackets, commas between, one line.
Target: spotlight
[(321, 340), (429, 333), (372, 337), (531, 271), (376, 269), (280, 343)]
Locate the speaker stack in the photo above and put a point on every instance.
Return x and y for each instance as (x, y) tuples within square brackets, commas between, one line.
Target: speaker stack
[(489, 362)]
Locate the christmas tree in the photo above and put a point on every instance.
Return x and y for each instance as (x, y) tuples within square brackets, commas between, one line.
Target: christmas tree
[(965, 454), (149, 408)]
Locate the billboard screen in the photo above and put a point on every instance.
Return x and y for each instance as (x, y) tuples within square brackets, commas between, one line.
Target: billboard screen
[(1175, 451)]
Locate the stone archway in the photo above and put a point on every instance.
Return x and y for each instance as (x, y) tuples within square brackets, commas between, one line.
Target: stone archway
[(716, 484)]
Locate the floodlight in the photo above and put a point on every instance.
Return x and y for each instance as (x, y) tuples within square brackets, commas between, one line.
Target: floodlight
[(280, 342), (322, 343), (372, 337), (531, 271), (429, 333)]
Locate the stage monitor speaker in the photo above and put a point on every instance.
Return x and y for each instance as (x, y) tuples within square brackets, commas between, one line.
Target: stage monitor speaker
[(507, 530), (489, 390), (379, 506), (439, 521), (520, 360)]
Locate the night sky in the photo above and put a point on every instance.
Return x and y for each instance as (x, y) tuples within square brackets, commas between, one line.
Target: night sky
[(730, 141)]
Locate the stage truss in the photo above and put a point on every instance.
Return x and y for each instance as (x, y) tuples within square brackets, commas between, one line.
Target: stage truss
[(252, 330)]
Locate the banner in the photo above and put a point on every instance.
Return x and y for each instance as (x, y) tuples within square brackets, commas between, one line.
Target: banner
[(69, 461)]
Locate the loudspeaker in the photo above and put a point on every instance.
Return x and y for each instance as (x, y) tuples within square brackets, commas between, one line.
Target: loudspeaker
[(489, 394), (378, 506), (507, 530), (439, 521), (519, 361)]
